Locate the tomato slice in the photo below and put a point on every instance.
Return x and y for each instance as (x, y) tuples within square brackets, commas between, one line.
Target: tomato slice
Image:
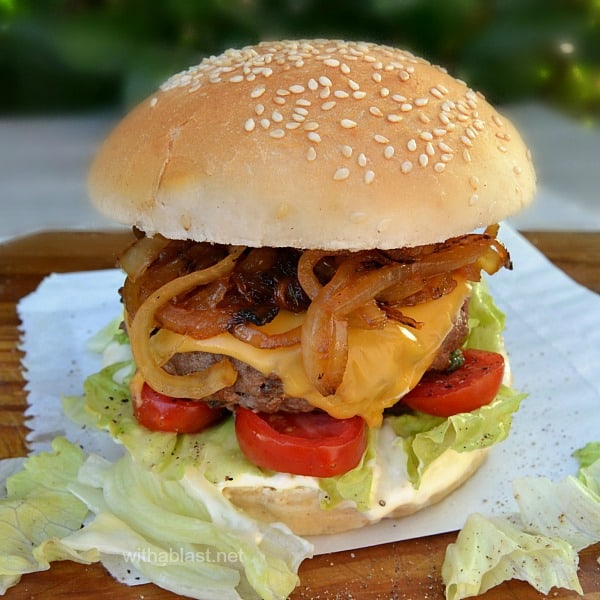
[(471, 386), (312, 444), (163, 413)]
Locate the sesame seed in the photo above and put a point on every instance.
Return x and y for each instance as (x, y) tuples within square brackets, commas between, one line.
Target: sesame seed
[(376, 77), (473, 199), (398, 98), (406, 107), (359, 95), (249, 125), (353, 85), (404, 75), (279, 100), (369, 176), (466, 155), (313, 136), (291, 125), (389, 151), (471, 133), (406, 166), (300, 110), (425, 135), (436, 92), (430, 149), (446, 157), (341, 94), (439, 132), (325, 81), (347, 151), (497, 120), (341, 174), (362, 160), (345, 69), (236, 78), (439, 167), (381, 139), (311, 126), (257, 92), (421, 101), (392, 118), (154, 102), (325, 93), (328, 105), (502, 148), (313, 84), (348, 123), (444, 147), (277, 116), (331, 62), (384, 92), (298, 118), (412, 145), (442, 88), (303, 102), (311, 154), (375, 111), (265, 123), (282, 92), (466, 141), (259, 109), (517, 170), (296, 89), (277, 133)]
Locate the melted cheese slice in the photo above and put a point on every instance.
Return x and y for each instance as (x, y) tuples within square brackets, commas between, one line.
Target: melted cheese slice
[(383, 364)]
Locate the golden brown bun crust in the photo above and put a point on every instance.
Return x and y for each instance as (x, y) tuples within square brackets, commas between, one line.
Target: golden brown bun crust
[(300, 509), (313, 144)]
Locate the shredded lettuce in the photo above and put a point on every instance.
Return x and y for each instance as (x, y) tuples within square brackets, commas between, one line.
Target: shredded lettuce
[(539, 544)]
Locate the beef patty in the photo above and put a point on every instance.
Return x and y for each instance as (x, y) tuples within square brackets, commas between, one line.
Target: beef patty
[(262, 393)]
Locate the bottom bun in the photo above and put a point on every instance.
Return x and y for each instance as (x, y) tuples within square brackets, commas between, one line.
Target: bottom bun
[(300, 508)]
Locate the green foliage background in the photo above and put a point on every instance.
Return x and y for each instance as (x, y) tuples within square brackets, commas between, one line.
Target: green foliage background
[(76, 55)]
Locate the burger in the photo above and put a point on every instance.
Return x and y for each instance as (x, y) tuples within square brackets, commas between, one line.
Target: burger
[(313, 221)]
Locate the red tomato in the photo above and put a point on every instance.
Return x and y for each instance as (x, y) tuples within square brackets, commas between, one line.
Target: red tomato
[(471, 386), (301, 443), (163, 413)]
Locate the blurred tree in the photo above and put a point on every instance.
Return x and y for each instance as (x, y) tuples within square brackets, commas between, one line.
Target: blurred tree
[(58, 55)]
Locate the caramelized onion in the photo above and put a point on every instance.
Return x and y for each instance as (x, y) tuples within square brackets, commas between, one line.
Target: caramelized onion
[(141, 254), (202, 290), (253, 335), (196, 385)]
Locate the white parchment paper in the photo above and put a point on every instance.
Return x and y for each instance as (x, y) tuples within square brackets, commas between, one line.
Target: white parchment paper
[(553, 337)]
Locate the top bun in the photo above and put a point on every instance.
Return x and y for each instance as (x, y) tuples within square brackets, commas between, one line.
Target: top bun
[(313, 144)]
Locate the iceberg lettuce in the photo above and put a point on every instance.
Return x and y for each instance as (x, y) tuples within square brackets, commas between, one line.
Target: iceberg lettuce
[(37, 511), (539, 544)]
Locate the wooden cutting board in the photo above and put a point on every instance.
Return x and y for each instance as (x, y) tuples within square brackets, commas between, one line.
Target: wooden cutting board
[(401, 570)]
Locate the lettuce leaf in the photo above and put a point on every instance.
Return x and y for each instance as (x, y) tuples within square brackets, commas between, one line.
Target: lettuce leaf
[(208, 549), (38, 511), (426, 437), (539, 544)]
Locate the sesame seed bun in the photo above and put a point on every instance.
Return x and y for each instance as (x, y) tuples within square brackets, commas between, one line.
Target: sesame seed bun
[(313, 144)]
